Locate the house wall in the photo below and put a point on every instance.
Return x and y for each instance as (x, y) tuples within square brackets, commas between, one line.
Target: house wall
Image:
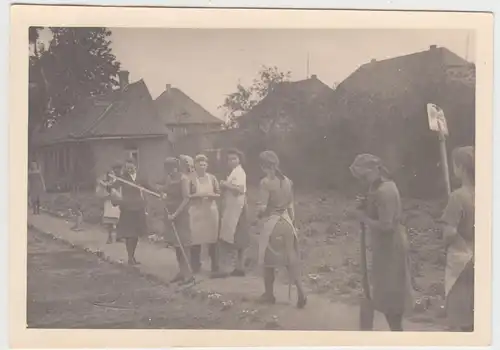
[(66, 166), (151, 154), (181, 131)]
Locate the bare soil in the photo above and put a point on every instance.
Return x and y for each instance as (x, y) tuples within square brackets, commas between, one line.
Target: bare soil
[(70, 288), (329, 244)]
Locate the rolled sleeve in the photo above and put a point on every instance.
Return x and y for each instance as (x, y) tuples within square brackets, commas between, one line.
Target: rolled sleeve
[(238, 178)]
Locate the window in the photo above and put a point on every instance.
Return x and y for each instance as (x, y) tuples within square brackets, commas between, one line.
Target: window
[(132, 152)]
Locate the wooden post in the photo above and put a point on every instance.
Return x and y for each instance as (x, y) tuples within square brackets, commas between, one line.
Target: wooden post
[(437, 123), (444, 162)]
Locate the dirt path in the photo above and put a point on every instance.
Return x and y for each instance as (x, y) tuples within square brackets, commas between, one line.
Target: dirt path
[(70, 288), (213, 304)]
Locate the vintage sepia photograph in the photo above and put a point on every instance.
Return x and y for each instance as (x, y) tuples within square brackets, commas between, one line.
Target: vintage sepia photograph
[(293, 179)]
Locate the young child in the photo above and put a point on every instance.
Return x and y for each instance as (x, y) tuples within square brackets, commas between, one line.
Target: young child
[(111, 213)]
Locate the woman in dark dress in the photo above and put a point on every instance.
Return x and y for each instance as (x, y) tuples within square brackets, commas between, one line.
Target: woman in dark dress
[(176, 189), (392, 290), (132, 222)]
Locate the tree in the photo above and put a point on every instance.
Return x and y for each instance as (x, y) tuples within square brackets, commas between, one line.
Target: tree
[(77, 64), (245, 98)]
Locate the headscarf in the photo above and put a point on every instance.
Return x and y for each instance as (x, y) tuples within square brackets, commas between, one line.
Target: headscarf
[(188, 161), (270, 159), (465, 157), (366, 163)]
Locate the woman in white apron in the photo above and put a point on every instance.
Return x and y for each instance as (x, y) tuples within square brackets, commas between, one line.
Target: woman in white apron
[(458, 233), (234, 223), (278, 243), (204, 215)]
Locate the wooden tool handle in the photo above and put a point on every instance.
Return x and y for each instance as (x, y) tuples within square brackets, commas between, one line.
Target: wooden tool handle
[(364, 262), (135, 186)]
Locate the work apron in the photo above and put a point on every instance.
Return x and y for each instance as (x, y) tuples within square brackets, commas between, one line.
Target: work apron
[(266, 228)]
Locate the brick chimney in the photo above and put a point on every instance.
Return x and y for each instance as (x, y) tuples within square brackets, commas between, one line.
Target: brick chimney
[(123, 78)]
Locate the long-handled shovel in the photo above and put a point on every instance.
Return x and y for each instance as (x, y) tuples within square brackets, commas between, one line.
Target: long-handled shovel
[(366, 311), (177, 237), (174, 229)]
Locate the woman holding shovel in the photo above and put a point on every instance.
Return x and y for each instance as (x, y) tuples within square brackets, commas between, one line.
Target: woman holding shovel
[(390, 274), (458, 232), (176, 188)]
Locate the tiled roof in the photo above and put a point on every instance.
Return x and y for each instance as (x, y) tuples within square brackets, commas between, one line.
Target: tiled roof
[(127, 113), (287, 96), (393, 73), (175, 107)]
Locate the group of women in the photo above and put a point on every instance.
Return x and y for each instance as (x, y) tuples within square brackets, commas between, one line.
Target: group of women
[(193, 219), (193, 198)]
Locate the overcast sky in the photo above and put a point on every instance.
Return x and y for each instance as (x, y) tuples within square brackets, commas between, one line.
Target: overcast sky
[(208, 63)]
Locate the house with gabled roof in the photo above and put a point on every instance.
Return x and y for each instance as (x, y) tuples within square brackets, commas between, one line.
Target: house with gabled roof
[(275, 122), (100, 131), (381, 108), (183, 116), (290, 99)]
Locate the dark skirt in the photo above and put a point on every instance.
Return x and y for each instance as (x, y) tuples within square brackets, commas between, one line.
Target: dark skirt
[(131, 224), (242, 234), (181, 223)]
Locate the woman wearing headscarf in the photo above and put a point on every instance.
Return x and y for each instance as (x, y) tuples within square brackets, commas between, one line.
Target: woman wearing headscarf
[(278, 242), (234, 223), (204, 215), (176, 188), (392, 291), (458, 234)]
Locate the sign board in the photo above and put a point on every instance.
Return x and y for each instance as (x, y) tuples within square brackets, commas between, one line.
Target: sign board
[(437, 121)]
